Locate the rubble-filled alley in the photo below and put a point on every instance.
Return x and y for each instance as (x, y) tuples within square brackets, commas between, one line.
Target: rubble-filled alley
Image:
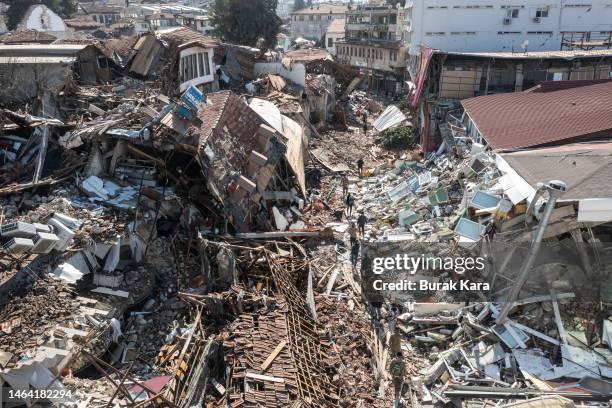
[(172, 245)]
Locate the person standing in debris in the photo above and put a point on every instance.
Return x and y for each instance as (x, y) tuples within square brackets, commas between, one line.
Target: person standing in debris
[(360, 166), (364, 118), (349, 201), (353, 234), (345, 185), (361, 222), (397, 371), (355, 253)]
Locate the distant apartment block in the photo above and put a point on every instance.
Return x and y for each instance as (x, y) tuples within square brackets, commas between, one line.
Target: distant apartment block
[(496, 25), (312, 22), (372, 42)]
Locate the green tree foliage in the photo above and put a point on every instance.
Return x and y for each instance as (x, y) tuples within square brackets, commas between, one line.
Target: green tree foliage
[(298, 5), (246, 21), (17, 9), (398, 137)]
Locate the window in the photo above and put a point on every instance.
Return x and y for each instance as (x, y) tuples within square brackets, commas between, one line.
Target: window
[(508, 32), (301, 18), (514, 13), (368, 53), (200, 64), (329, 18), (435, 34), (206, 63), (463, 33), (330, 42), (539, 32), (351, 51), (310, 17), (194, 66), (541, 12), (102, 62), (95, 18), (473, 7)]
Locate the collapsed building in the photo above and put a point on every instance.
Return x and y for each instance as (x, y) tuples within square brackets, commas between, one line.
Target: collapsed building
[(168, 244)]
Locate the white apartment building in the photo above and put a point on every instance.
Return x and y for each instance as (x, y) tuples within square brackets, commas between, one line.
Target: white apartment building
[(501, 25), (312, 22)]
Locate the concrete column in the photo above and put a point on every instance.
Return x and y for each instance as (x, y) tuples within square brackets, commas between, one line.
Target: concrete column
[(518, 82)]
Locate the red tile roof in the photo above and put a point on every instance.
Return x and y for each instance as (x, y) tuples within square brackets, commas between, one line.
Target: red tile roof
[(527, 119), (183, 35), (26, 36)]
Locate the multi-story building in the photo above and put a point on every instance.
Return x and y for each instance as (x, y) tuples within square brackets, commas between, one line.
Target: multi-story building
[(372, 42), (498, 25), (335, 33), (312, 22)]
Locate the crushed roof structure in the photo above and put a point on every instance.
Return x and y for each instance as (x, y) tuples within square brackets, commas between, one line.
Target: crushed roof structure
[(308, 55), (27, 36), (586, 168), (121, 50), (181, 36), (83, 24), (151, 47), (529, 119)]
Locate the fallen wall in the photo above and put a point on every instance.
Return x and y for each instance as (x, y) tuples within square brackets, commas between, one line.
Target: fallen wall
[(297, 73)]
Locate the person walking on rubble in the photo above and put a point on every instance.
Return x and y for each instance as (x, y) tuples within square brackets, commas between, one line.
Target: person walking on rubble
[(397, 372), (349, 201), (361, 222), (352, 233), (364, 118), (355, 253), (360, 166), (345, 185)]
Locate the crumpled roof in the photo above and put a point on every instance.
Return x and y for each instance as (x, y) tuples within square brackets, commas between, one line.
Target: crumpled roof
[(26, 36), (180, 36)]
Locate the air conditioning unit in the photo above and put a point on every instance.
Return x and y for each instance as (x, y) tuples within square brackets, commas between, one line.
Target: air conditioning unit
[(42, 227), (18, 245), (70, 222), (44, 242), (18, 229), (536, 19), (64, 233), (507, 21)]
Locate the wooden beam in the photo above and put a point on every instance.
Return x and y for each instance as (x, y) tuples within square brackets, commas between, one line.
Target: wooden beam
[(273, 355)]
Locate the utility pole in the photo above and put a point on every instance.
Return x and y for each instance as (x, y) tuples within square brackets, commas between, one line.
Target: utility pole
[(555, 188)]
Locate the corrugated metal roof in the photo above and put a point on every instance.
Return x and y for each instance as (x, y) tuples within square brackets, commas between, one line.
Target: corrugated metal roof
[(586, 168), (37, 60), (31, 50), (527, 119)]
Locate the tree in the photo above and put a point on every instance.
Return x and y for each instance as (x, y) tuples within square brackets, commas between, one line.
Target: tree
[(298, 5), (245, 22), (18, 8), (398, 138)]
